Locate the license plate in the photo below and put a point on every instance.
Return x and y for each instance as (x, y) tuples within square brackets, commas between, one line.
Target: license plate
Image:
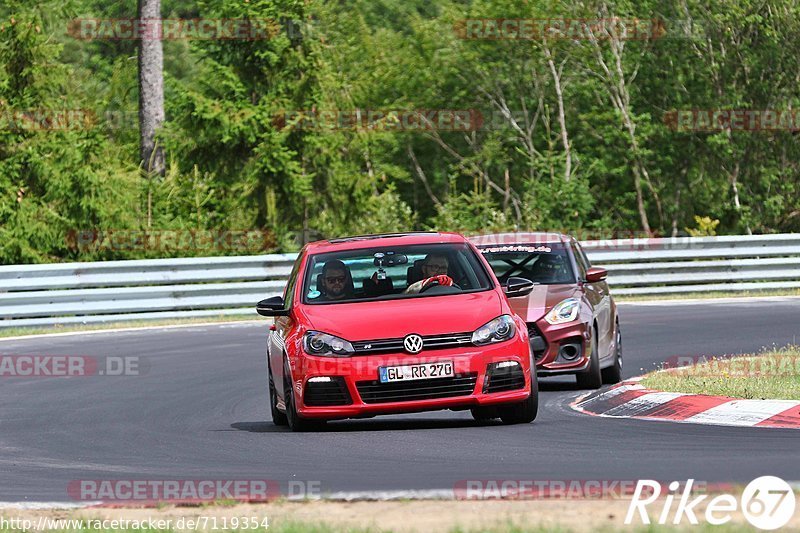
[(440, 369)]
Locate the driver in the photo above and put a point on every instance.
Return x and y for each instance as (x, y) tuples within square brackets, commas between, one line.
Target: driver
[(336, 282), (434, 270), (548, 268)]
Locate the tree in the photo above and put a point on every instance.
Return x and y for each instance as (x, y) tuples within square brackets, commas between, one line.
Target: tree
[(151, 90)]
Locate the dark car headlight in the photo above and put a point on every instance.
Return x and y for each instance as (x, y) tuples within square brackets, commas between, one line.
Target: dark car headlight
[(324, 344), (500, 329)]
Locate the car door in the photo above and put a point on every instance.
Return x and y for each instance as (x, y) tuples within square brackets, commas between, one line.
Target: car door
[(276, 344), (601, 301)]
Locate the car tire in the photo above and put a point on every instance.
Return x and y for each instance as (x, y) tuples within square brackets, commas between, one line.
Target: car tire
[(295, 422), (613, 374), (591, 378), (278, 418), (483, 414), (525, 411)]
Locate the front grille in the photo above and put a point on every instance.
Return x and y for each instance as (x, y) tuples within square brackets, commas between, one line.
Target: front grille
[(429, 389), (504, 379), (431, 342), (538, 342), (327, 393)]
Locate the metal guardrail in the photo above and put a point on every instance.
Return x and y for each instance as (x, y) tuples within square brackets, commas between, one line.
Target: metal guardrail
[(80, 293), (699, 264)]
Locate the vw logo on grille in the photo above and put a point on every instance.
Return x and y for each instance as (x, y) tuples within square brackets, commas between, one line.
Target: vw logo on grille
[(413, 343)]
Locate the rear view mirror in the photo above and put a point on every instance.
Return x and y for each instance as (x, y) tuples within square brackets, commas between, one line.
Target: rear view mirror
[(271, 307), (516, 287), (389, 259)]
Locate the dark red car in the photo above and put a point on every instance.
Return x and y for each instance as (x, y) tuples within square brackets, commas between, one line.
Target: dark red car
[(571, 317), (397, 323)]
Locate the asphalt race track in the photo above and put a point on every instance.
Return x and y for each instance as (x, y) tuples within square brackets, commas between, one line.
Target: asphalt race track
[(201, 412)]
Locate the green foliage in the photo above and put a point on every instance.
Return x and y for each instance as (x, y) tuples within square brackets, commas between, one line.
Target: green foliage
[(471, 213), (705, 227), (54, 172), (240, 160)]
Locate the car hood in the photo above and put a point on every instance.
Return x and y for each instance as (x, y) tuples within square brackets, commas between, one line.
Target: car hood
[(392, 319), (543, 297)]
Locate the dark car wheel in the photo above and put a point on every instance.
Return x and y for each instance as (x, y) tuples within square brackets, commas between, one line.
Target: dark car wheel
[(278, 418), (484, 414), (525, 411), (295, 421), (613, 374), (591, 378)]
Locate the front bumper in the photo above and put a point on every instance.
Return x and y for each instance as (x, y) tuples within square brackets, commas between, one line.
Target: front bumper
[(550, 344), (358, 378)]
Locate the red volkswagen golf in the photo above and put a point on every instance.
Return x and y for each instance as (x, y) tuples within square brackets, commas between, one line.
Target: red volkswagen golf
[(397, 323), (571, 317)]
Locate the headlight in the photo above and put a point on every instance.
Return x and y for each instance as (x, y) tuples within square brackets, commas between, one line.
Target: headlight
[(501, 328), (318, 343), (564, 311)]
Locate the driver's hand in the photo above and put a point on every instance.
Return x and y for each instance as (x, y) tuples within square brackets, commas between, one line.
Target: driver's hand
[(441, 279)]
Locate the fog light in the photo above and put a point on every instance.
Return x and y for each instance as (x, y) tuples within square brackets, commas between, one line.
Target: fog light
[(569, 352), (321, 379), (503, 376)]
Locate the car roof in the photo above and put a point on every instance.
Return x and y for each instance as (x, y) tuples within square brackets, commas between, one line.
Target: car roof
[(535, 237), (357, 242)]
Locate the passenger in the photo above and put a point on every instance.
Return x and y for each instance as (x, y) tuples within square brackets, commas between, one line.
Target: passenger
[(336, 282)]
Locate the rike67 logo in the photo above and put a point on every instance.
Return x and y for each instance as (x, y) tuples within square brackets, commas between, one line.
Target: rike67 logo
[(767, 502)]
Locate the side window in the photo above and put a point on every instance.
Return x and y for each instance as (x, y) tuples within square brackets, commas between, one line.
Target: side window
[(583, 265), (288, 293), (583, 256)]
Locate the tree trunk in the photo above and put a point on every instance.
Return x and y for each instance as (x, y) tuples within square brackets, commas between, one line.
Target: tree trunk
[(151, 89), (562, 121)]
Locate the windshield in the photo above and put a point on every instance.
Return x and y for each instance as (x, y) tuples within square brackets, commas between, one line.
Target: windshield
[(390, 273), (547, 264)]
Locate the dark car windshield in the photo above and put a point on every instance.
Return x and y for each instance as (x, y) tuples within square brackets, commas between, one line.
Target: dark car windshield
[(383, 273), (547, 264)]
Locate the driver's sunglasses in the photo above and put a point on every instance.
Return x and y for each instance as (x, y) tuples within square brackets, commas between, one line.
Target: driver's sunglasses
[(437, 268), (338, 279)]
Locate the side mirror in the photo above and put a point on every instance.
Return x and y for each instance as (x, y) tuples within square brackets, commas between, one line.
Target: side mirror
[(271, 307), (516, 287), (595, 274)]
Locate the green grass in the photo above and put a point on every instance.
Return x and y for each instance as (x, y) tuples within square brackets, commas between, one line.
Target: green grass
[(16, 332), (706, 295), (774, 374)]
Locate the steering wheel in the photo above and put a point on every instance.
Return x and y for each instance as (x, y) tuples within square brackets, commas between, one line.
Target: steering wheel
[(434, 282)]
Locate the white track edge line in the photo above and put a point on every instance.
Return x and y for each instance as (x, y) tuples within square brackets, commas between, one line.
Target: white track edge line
[(132, 328)]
